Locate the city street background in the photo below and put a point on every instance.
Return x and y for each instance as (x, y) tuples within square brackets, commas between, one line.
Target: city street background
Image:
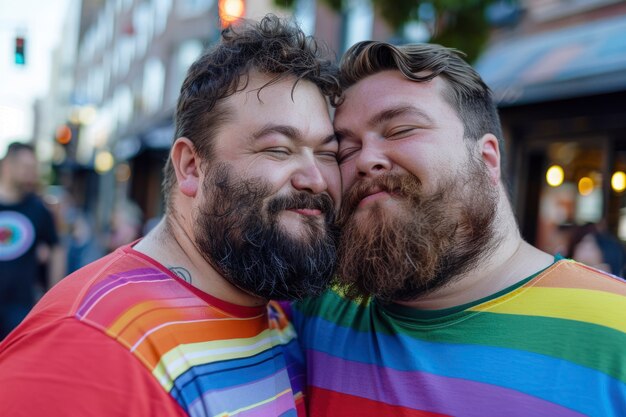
[(92, 85)]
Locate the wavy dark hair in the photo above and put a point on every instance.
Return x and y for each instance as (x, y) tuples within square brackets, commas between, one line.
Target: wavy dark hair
[(465, 90), (273, 46)]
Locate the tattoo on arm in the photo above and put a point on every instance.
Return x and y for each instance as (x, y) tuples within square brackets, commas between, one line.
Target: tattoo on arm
[(181, 272)]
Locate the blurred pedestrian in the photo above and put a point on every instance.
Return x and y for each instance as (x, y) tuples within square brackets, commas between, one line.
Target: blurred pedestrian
[(83, 247), (125, 227), (179, 324), (27, 236), (598, 249)]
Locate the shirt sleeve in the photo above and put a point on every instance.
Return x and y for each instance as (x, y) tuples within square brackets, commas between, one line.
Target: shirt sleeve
[(69, 368)]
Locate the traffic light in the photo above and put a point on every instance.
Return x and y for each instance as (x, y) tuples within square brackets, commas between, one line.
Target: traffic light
[(20, 50), (63, 134), (230, 11)]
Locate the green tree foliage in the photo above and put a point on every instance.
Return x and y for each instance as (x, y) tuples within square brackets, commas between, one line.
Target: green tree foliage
[(459, 24), (465, 28), (286, 4)]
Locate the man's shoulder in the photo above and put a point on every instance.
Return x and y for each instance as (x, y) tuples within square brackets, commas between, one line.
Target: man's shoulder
[(101, 292), (74, 366), (574, 291), (569, 274), (30, 204), (124, 286), (33, 201)]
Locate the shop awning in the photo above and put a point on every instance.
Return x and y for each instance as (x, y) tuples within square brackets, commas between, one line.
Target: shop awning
[(587, 59), (159, 137)]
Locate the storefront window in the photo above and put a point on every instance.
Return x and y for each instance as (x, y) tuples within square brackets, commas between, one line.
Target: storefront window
[(618, 189), (572, 192)]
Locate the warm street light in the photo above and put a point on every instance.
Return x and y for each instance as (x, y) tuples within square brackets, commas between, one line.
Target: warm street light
[(618, 181), (585, 186), (230, 11), (104, 162), (555, 176)]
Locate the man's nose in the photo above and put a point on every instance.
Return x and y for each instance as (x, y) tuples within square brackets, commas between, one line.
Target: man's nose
[(372, 160), (309, 177)]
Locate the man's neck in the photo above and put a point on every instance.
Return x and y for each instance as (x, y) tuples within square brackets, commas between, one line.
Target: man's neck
[(10, 195), (512, 261), (174, 247)]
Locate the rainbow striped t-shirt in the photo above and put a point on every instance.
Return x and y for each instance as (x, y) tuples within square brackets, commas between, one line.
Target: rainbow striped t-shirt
[(125, 337), (553, 346)]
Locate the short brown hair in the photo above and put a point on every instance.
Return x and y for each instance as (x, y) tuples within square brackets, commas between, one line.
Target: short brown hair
[(466, 92), (15, 147), (273, 46)]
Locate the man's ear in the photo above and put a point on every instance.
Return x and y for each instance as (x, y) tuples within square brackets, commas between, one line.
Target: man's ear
[(186, 165), (490, 154)]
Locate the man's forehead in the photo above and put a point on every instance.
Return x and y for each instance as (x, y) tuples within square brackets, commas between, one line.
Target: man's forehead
[(289, 107), (293, 133), (387, 90)]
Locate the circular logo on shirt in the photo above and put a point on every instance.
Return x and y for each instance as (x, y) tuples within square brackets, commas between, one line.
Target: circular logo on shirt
[(17, 235)]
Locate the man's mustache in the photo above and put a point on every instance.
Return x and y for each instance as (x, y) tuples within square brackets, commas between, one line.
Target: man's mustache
[(402, 185), (301, 200)]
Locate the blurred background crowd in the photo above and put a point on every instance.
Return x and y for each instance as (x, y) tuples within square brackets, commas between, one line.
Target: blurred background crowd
[(90, 86)]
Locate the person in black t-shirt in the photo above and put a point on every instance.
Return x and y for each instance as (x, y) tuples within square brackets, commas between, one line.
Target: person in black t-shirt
[(25, 223)]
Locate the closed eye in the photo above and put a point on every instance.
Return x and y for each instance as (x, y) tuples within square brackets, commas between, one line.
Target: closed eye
[(279, 153), (328, 155), (400, 132), (346, 154)]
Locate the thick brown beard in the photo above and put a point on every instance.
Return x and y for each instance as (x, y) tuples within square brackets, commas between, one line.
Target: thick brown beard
[(425, 244)]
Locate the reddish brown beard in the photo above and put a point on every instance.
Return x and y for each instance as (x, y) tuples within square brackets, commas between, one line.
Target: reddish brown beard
[(422, 245)]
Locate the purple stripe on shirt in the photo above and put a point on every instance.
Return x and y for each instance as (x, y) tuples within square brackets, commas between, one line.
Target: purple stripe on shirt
[(296, 377), (425, 391), (114, 280)]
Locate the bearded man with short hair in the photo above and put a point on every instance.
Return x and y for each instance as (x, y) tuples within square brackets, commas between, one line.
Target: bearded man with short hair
[(442, 308)]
